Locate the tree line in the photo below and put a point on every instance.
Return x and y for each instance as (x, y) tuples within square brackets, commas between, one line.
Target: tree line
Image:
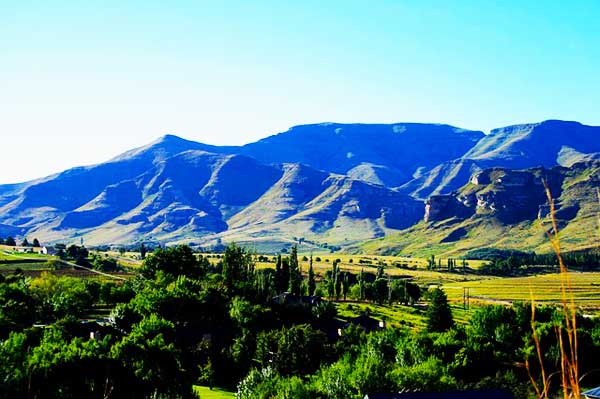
[(185, 320), (10, 241)]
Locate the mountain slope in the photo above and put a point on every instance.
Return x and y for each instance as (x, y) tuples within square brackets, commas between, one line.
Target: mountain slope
[(396, 150), (536, 144), (504, 208), (330, 184), (549, 143), (309, 205), (195, 196)]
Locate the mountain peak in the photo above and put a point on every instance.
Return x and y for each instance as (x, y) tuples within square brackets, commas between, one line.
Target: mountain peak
[(168, 139), (164, 147)]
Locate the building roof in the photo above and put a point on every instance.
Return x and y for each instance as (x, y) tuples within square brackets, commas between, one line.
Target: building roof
[(592, 393)]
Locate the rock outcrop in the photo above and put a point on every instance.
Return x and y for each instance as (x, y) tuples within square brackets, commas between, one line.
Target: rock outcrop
[(441, 207), (509, 195)]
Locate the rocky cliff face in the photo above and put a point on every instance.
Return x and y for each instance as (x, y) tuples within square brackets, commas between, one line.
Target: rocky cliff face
[(441, 207), (502, 208), (509, 195)]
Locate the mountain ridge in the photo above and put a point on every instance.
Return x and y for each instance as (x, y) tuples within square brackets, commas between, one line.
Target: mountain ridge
[(335, 184)]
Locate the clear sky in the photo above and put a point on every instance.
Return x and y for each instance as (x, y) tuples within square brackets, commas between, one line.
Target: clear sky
[(81, 81)]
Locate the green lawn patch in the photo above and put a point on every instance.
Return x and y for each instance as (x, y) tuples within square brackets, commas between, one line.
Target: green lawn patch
[(215, 393)]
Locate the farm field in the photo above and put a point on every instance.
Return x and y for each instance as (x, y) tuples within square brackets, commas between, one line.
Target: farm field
[(545, 288), (127, 259), (395, 266), (482, 289)]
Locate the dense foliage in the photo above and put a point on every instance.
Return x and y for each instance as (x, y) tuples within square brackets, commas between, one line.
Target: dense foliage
[(185, 321)]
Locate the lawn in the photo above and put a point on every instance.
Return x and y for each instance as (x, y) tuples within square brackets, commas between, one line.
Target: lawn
[(215, 393)]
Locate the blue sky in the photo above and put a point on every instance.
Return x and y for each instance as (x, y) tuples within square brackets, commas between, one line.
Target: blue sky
[(81, 81)]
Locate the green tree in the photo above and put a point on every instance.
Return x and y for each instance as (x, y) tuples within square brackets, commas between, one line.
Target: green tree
[(10, 241), (143, 251), (333, 381), (345, 284), (17, 306), (297, 350), (36, 243), (431, 265), (150, 357), (398, 291), (413, 293), (361, 284), (13, 365), (285, 274), (176, 261), (279, 280), (295, 281), (25, 243), (312, 285), (58, 297), (59, 356), (105, 264), (78, 254), (337, 279), (439, 315), (238, 268), (265, 284), (380, 287)]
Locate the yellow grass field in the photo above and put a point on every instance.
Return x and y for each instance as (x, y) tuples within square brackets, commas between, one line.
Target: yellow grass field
[(394, 266), (544, 288)]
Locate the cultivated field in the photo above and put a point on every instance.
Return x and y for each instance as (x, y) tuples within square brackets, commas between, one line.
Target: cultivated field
[(544, 288)]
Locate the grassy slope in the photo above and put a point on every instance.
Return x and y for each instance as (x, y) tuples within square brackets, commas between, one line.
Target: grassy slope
[(582, 232)]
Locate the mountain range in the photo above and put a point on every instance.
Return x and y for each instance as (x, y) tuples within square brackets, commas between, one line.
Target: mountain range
[(329, 185)]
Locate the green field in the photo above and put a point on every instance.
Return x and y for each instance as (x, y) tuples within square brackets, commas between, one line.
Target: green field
[(394, 315), (215, 393)]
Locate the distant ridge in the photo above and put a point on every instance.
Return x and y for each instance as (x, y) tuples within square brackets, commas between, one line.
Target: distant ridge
[(329, 184), (549, 143)]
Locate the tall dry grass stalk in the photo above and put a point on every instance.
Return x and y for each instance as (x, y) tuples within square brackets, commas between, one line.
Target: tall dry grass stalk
[(598, 194), (566, 333)]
